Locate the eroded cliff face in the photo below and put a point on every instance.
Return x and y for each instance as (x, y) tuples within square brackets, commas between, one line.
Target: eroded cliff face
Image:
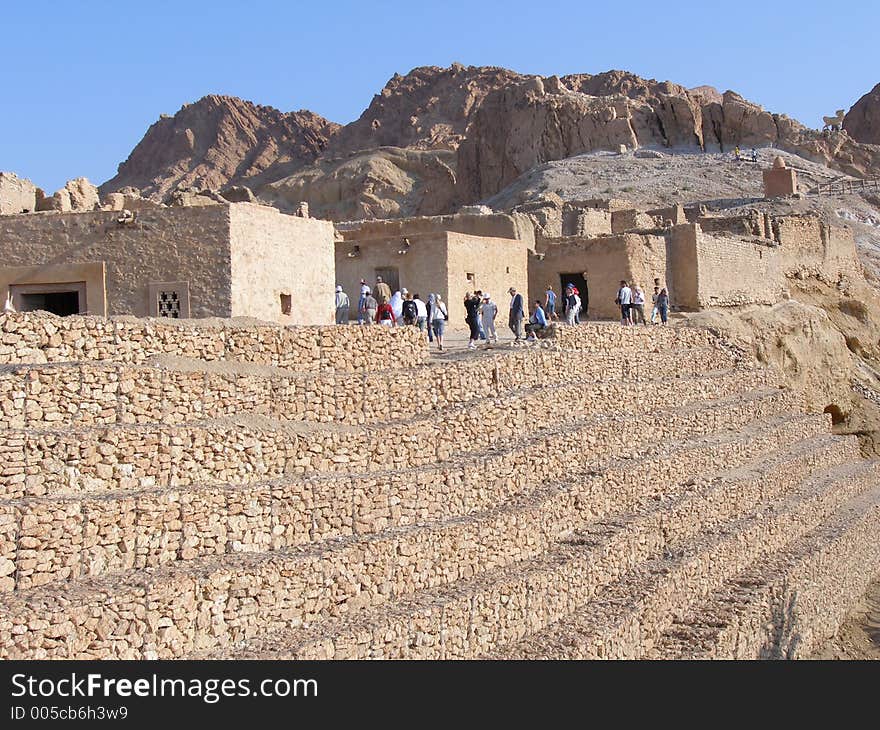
[(541, 120), (863, 120), (428, 108), (220, 141), (386, 183), (438, 138)]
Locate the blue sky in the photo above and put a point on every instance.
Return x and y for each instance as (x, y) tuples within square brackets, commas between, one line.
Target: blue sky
[(82, 80)]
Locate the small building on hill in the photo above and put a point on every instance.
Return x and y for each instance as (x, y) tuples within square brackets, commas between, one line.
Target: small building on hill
[(237, 260)]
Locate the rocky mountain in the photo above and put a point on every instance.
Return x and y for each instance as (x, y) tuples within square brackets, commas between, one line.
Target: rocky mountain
[(388, 182), (863, 120), (429, 108), (539, 120), (219, 141), (438, 138)]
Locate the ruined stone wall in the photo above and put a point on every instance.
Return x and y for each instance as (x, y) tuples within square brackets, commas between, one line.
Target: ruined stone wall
[(631, 220), (38, 338), (810, 247), (733, 272), (104, 393), (589, 222), (275, 254), (161, 245), (16, 195)]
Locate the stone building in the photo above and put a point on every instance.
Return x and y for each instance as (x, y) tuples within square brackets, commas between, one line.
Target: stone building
[(447, 255), (207, 261), (714, 262)]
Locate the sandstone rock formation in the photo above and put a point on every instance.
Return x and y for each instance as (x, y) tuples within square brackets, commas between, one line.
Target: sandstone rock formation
[(384, 183), (863, 120), (220, 141), (396, 158), (529, 123), (428, 108)]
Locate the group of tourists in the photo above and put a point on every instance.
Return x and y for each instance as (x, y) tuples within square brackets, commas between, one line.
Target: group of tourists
[(378, 305), (631, 300)]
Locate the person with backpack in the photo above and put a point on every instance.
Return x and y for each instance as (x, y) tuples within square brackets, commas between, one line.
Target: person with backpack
[(409, 310), (472, 307), (371, 306), (439, 315)]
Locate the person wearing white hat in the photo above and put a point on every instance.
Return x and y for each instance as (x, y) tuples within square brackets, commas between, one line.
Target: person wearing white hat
[(342, 306), (490, 312)]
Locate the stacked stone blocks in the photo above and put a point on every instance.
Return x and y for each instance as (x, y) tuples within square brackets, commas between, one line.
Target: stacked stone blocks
[(235, 490)]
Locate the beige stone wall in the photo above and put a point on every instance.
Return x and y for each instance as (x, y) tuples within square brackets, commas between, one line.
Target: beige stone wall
[(630, 220), (162, 245), (496, 264), (682, 266), (606, 260), (40, 338), (811, 247), (422, 270), (732, 272), (495, 225), (581, 221), (274, 254)]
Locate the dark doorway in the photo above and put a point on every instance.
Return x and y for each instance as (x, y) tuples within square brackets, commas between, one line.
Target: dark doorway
[(60, 299), (583, 291), (391, 276), (62, 303)]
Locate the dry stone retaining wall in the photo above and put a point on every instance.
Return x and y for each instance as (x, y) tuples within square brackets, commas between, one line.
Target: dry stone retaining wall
[(40, 338)]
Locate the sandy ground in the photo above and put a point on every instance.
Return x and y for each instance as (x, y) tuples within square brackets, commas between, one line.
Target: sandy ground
[(859, 635)]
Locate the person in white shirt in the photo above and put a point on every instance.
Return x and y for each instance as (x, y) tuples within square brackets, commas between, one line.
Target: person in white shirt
[(490, 312), (362, 303), (624, 299), (637, 310), (421, 313)]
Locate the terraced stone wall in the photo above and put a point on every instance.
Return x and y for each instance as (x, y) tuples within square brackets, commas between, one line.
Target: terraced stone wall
[(40, 338)]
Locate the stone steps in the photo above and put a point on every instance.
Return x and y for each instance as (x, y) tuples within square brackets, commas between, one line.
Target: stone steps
[(59, 539), (251, 448), (626, 619), (163, 612), (474, 618), (786, 604), (75, 394)]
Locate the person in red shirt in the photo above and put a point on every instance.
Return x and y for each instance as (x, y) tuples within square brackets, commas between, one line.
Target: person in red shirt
[(385, 315)]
